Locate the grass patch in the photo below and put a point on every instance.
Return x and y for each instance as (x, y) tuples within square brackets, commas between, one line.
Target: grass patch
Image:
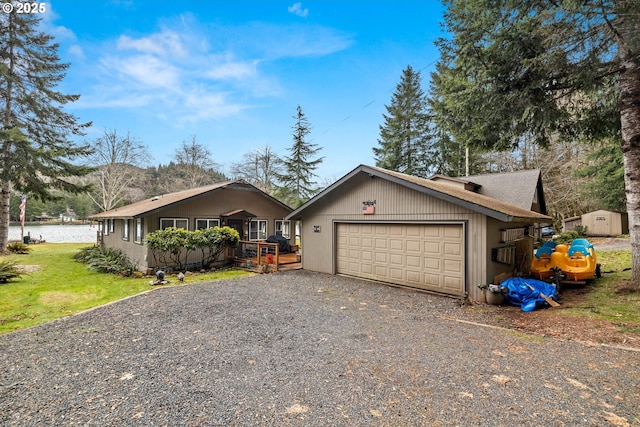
[(55, 285), (612, 297)]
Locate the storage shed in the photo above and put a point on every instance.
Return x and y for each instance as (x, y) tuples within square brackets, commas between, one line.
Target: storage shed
[(605, 223), (390, 227)]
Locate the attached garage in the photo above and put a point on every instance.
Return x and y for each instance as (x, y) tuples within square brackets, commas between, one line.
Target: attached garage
[(423, 256), (402, 230)]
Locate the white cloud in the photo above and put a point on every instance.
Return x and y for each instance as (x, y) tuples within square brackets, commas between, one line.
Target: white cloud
[(297, 9), (166, 43), (76, 51), (145, 70), (191, 72)]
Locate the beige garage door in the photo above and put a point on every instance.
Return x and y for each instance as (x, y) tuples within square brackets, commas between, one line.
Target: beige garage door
[(425, 256)]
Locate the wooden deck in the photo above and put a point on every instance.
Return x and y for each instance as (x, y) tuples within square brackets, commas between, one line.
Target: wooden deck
[(286, 262), (255, 255)]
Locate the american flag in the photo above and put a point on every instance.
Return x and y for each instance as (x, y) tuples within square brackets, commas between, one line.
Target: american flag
[(23, 207), (368, 209)]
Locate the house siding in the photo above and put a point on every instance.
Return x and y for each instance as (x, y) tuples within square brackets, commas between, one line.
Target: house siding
[(207, 205), (393, 203), (524, 249), (135, 252)]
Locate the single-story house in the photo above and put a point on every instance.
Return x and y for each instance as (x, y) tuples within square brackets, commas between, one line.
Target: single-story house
[(605, 223), (437, 235), (237, 204)]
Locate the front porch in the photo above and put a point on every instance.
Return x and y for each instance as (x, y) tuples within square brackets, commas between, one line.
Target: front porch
[(265, 257)]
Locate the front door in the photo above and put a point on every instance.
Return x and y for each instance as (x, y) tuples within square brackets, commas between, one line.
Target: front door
[(237, 224)]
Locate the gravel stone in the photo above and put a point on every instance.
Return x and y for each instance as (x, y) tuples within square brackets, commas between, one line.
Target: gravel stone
[(304, 349)]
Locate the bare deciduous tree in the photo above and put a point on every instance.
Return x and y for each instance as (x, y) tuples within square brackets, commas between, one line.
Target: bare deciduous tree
[(259, 167), (115, 156), (195, 163)]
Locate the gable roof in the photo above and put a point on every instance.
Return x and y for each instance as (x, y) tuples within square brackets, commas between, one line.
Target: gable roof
[(148, 206), (516, 188), (489, 206)]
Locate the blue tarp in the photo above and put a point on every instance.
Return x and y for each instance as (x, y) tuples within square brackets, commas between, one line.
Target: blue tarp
[(520, 294)]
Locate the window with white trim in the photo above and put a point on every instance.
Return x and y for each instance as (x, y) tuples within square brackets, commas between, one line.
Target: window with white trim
[(202, 223), (104, 226), (125, 229), (258, 229), (112, 225), (283, 228), (174, 222), (138, 231)]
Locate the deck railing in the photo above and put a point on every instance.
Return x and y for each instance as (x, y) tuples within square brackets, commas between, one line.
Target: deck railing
[(257, 253)]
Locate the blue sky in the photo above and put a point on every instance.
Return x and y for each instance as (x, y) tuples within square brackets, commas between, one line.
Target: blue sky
[(233, 72)]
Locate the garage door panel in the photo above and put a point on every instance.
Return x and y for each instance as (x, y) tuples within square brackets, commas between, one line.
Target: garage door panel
[(426, 256), (396, 273), (414, 277), (413, 245), (452, 248), (381, 243), (453, 232), (452, 265), (366, 269), (396, 259), (413, 261), (431, 264), (452, 283), (396, 244)]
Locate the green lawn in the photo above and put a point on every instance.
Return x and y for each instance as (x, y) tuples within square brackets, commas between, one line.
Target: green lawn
[(613, 297), (58, 286)]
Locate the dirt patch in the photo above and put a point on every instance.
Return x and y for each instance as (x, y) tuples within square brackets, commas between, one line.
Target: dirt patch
[(558, 323), (28, 268)]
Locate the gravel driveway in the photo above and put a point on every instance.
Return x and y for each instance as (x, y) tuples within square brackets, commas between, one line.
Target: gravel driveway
[(301, 348)]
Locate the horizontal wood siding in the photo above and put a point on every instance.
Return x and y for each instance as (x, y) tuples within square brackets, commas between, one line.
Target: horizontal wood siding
[(135, 252), (393, 203), (210, 205)]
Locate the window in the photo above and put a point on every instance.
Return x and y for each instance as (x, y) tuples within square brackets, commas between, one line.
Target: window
[(174, 222), (282, 228), (112, 225), (201, 224), (125, 229), (258, 229), (106, 227), (137, 236)]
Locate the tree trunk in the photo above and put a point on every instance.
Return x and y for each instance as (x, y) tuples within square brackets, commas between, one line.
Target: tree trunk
[(4, 215), (630, 124)]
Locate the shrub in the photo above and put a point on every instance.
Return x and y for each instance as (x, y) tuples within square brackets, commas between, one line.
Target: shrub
[(569, 236), (106, 260), (171, 246), (18, 248), (8, 271)]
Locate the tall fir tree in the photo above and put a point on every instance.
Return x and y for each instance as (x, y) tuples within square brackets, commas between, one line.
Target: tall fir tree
[(406, 136), (550, 71), (297, 183), (36, 154)]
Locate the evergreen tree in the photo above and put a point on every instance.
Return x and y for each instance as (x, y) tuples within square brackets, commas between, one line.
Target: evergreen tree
[(607, 169), (36, 154), (405, 138), (562, 70), (296, 183)]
